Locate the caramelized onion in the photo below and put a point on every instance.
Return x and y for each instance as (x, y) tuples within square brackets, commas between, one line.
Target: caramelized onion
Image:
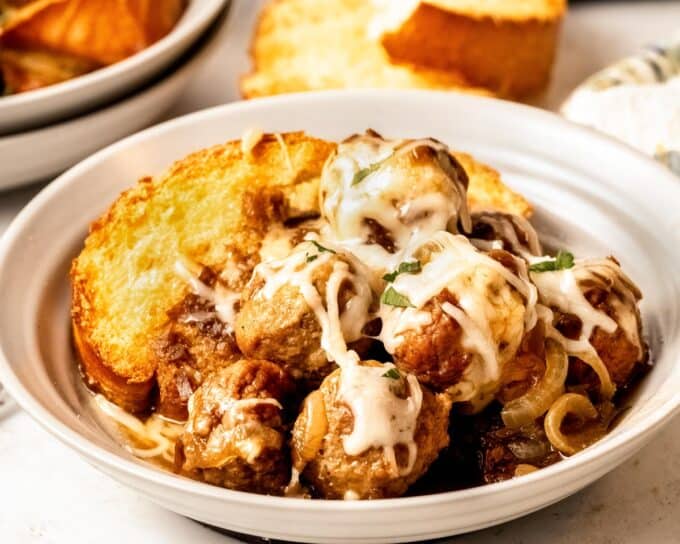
[(576, 405), (523, 468), (607, 387), (536, 402), (316, 425)]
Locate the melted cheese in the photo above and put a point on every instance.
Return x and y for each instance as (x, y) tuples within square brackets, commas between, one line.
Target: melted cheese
[(249, 139), (337, 327), (563, 290), (505, 228), (381, 419), (482, 288), (224, 300), (387, 196), (159, 432)]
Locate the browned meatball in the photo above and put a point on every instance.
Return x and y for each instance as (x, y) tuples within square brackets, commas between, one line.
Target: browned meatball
[(460, 320), (612, 298), (524, 370), (618, 353), (381, 192), (322, 430), (434, 353), (235, 434), (282, 327)]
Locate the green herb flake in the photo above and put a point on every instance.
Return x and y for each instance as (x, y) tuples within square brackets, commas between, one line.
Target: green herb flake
[(311, 258), (364, 173), (410, 267), (392, 374), (322, 248), (562, 261), (392, 297)]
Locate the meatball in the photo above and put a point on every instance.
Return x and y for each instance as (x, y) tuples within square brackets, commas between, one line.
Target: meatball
[(594, 313), (369, 432), (499, 230), (459, 319), (294, 310), (235, 434), (376, 194)]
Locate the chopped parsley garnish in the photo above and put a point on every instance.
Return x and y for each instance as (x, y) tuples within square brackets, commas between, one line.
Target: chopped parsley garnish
[(322, 248), (562, 261), (410, 267), (391, 297), (392, 374), (365, 172), (311, 258)]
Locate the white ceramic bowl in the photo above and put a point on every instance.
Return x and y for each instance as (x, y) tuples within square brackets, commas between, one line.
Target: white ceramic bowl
[(591, 194), (39, 154), (57, 102)]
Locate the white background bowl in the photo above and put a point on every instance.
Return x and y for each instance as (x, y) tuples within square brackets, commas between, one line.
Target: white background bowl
[(591, 193), (40, 107), (38, 154)]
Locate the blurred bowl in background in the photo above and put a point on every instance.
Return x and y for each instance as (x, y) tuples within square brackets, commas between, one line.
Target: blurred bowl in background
[(38, 154), (57, 102)]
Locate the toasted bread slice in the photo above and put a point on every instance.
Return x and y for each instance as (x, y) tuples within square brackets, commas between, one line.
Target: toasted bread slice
[(138, 328), (507, 46), (208, 207), (303, 45), (486, 190)]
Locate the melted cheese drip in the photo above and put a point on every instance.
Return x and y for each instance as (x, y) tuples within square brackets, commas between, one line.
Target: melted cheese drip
[(337, 327), (232, 412), (249, 139), (504, 226), (381, 419), (454, 264), (562, 290), (385, 196), (285, 151), (161, 433), (224, 300)]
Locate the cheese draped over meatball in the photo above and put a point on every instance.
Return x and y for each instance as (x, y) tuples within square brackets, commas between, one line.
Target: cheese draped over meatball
[(379, 195), (235, 433), (368, 432), (456, 315), (302, 310), (591, 309)]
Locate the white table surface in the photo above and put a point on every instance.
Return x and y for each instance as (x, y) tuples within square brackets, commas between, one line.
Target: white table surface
[(49, 495)]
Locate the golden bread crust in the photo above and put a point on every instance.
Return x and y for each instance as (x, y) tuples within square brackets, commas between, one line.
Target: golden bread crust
[(510, 54), (303, 45), (211, 207)]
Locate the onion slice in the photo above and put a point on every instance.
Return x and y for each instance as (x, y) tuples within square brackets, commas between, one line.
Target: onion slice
[(576, 405), (536, 402)]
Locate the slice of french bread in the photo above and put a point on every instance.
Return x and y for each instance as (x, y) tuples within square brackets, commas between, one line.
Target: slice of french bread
[(303, 45), (507, 46)]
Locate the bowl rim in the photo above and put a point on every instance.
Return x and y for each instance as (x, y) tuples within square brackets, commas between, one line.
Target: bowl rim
[(207, 10), (646, 426), (182, 67)]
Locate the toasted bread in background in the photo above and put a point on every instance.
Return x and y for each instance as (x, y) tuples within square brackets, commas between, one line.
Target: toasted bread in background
[(131, 309), (507, 46), (303, 45), (207, 207), (101, 31)]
